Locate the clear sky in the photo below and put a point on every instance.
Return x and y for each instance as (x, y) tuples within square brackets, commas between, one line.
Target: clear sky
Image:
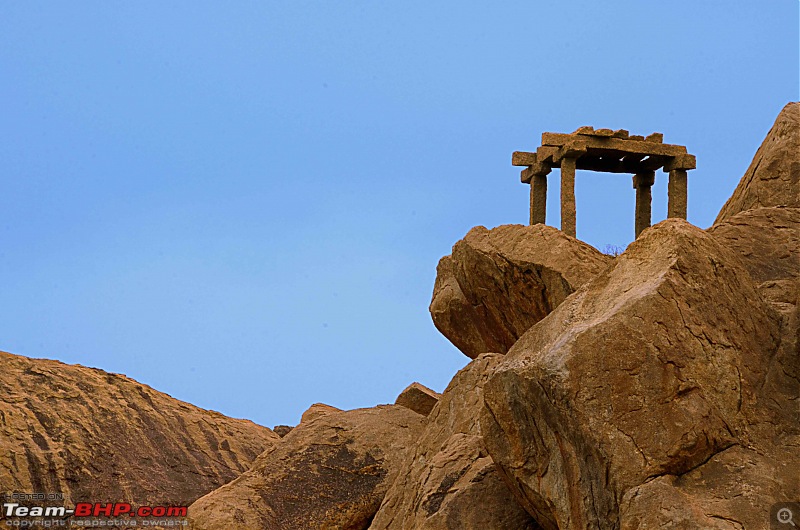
[(242, 204)]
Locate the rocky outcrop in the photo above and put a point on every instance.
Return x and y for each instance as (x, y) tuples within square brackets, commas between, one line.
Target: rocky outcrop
[(316, 410), (773, 178), (647, 379), (767, 240), (418, 398), (282, 430), (657, 389), (92, 435), (497, 283), (448, 481), (733, 490), (330, 472)]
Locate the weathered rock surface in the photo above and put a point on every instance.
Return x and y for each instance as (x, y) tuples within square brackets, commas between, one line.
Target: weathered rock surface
[(316, 410), (282, 430), (497, 283), (773, 178), (649, 378), (767, 240), (733, 491), (418, 398), (330, 472), (448, 481), (93, 436)]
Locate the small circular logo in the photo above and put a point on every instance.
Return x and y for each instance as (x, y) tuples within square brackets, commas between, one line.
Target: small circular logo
[(785, 516)]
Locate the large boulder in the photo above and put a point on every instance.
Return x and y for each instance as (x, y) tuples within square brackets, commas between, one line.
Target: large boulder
[(448, 481), (316, 410), (734, 490), (418, 398), (497, 283), (92, 435), (647, 379), (773, 178), (767, 240), (329, 472)]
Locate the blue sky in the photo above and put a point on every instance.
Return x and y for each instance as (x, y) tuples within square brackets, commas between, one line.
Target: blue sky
[(243, 204)]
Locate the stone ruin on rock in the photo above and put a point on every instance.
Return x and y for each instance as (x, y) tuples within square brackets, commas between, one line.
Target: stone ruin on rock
[(656, 389), (612, 152)]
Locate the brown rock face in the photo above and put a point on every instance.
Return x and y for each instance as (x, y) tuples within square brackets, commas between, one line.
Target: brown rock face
[(93, 436), (418, 398), (316, 410), (646, 396), (497, 283), (448, 481), (327, 473), (773, 178), (733, 490), (282, 430), (767, 240)]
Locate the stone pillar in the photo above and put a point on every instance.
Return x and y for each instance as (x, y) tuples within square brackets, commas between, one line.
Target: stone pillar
[(676, 206), (643, 183), (538, 199), (568, 196)]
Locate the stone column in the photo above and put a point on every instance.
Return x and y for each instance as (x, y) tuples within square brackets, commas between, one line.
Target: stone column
[(568, 196), (538, 199), (676, 206), (643, 183)]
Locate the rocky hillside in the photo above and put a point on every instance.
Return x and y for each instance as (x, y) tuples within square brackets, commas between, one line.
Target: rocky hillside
[(100, 437), (657, 389)]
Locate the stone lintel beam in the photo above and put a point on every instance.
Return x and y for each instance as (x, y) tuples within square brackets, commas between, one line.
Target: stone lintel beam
[(650, 163), (545, 153), (643, 183), (612, 164), (618, 144), (633, 157), (568, 221), (677, 194), (686, 161), (523, 158), (575, 148), (538, 199), (529, 172)]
